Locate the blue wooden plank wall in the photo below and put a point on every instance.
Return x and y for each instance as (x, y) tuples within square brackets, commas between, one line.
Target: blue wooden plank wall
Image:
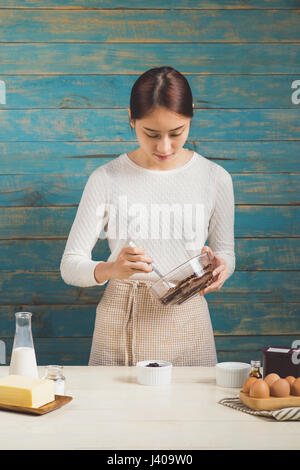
[(66, 70)]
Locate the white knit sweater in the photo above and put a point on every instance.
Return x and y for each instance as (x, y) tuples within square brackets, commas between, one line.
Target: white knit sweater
[(170, 213)]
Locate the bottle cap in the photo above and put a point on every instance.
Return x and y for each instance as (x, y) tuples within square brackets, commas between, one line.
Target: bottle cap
[(255, 363)]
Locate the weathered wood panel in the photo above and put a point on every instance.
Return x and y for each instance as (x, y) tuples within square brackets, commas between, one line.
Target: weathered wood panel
[(81, 158), (225, 26), (267, 254), (57, 190), (53, 222), (75, 351), (122, 58), (68, 68), (64, 351), (112, 124), (111, 91), (165, 4), (65, 320), (48, 288)]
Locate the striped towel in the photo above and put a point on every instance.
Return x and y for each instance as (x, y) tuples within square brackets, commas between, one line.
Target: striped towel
[(284, 414)]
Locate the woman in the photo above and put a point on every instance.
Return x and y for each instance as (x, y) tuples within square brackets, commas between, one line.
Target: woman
[(169, 201)]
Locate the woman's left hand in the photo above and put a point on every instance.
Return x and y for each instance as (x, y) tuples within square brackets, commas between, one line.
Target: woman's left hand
[(220, 272)]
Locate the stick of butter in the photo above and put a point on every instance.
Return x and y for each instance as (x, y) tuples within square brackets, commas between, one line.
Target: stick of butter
[(19, 390)]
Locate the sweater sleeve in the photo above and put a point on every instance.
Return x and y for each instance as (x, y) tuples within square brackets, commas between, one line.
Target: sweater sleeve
[(77, 267), (221, 226)]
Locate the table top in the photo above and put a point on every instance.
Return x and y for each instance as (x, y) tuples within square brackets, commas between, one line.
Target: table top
[(110, 410)]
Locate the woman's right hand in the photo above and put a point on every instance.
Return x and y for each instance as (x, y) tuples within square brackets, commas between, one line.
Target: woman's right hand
[(131, 260)]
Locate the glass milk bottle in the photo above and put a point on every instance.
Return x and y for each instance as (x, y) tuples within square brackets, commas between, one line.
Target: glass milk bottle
[(23, 360)]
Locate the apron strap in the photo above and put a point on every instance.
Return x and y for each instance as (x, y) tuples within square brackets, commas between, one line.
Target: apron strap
[(131, 313)]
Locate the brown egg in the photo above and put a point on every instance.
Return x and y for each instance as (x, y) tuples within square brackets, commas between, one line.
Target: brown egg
[(270, 378), (280, 388), (259, 389), (247, 384), (290, 379), (295, 389)]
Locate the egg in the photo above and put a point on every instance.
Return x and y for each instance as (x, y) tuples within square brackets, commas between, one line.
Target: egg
[(280, 388), (247, 384), (295, 389), (259, 389), (290, 379), (270, 378)]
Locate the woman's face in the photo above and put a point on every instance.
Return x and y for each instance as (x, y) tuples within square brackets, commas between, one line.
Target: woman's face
[(161, 135)]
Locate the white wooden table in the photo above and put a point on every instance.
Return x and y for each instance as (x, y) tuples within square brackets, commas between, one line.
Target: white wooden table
[(110, 410)]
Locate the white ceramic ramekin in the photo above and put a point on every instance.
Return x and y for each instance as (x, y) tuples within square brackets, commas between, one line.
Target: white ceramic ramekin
[(154, 375), (232, 374)]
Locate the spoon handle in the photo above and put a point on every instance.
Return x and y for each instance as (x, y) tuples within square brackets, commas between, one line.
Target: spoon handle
[(131, 243)]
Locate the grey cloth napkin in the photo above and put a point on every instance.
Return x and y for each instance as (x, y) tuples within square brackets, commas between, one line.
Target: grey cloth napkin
[(284, 414)]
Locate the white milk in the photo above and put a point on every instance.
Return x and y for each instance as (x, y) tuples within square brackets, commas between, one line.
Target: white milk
[(23, 362)]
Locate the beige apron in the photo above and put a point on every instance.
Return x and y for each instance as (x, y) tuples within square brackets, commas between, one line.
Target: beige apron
[(131, 326)]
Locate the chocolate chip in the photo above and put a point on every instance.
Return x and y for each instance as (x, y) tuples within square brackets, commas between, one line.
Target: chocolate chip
[(188, 287)]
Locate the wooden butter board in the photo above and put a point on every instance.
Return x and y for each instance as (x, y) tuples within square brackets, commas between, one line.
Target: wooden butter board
[(60, 400), (271, 403)]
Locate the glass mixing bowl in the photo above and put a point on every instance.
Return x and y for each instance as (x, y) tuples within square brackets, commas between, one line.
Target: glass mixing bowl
[(185, 281)]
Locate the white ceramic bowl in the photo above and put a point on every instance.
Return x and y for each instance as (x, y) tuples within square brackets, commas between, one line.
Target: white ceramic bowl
[(232, 374), (154, 375)]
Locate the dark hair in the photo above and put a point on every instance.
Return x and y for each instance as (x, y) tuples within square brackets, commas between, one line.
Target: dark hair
[(161, 86)]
